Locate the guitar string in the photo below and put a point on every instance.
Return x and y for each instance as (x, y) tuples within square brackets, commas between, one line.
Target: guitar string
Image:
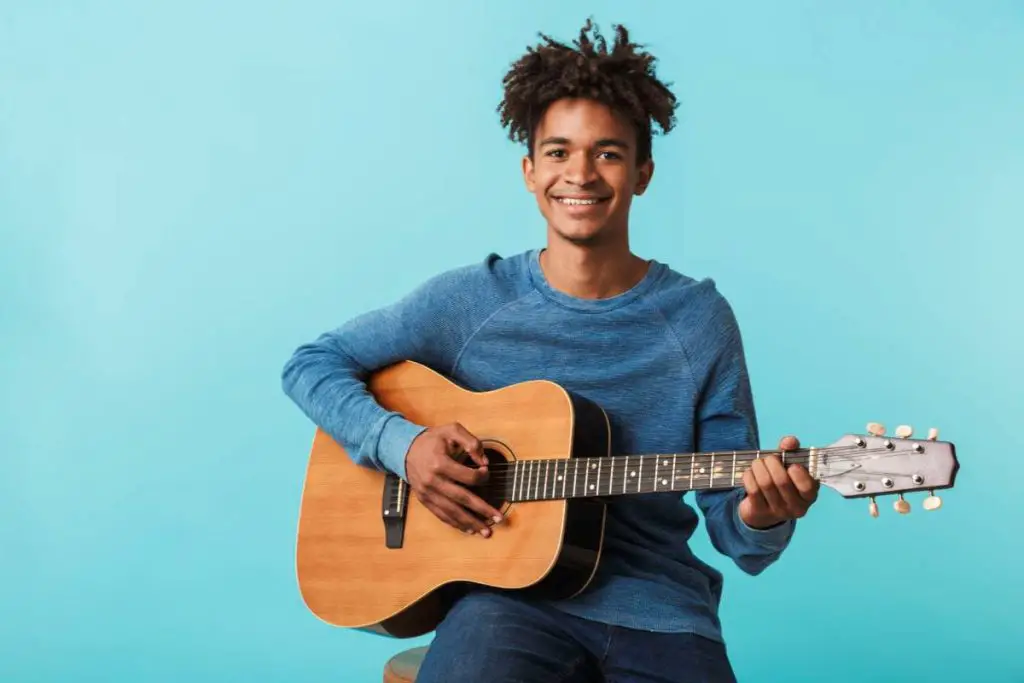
[(682, 461), (646, 482), (501, 473), (833, 453)]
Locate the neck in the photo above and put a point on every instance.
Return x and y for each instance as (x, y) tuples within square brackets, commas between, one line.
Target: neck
[(591, 272), (524, 480)]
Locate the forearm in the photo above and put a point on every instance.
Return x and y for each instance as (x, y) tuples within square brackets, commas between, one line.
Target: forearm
[(326, 382)]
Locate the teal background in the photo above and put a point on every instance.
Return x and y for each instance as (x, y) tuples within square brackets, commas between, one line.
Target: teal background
[(189, 190)]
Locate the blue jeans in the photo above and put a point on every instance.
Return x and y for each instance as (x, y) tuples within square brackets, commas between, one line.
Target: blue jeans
[(490, 637)]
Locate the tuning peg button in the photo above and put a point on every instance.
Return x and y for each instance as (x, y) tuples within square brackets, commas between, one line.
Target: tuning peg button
[(932, 502), (933, 434), (904, 431), (873, 507), (876, 428), (901, 505)]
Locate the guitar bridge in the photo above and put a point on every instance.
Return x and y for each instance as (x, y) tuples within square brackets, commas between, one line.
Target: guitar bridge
[(394, 499)]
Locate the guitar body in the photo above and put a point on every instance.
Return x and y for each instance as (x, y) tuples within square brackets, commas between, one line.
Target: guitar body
[(348, 573)]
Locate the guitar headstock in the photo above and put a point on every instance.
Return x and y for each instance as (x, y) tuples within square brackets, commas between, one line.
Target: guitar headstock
[(873, 464)]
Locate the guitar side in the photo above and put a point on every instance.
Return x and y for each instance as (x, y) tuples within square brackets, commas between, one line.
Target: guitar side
[(349, 576)]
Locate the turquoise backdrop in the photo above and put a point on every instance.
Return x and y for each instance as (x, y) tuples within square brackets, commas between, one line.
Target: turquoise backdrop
[(189, 190)]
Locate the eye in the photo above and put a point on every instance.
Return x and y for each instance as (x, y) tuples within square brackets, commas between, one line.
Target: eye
[(557, 153), (611, 155)]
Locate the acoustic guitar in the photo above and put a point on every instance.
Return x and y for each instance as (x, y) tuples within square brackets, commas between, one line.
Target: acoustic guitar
[(370, 556)]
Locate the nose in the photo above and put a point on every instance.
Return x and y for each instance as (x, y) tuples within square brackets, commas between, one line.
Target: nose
[(580, 170)]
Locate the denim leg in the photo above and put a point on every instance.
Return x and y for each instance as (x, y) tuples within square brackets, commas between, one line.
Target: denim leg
[(644, 657), (503, 638)]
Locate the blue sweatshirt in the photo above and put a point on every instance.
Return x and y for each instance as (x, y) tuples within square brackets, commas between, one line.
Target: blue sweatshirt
[(664, 359)]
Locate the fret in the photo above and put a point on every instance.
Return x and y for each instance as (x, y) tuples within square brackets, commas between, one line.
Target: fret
[(711, 477), (535, 479), (673, 471), (640, 478), (734, 468), (655, 473), (693, 465), (625, 470), (586, 478), (565, 475), (575, 474), (515, 477), (611, 474), (598, 484)]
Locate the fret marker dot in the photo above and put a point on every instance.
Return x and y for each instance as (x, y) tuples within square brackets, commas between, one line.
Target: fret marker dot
[(559, 477), (591, 487), (632, 474), (664, 482), (593, 466), (664, 463), (702, 470)]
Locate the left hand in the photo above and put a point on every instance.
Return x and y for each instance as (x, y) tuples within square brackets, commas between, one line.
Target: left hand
[(777, 493)]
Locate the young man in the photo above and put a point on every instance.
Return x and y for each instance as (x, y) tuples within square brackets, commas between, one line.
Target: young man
[(659, 351)]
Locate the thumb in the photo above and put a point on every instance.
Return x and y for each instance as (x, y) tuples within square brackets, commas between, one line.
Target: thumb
[(789, 443), (469, 443)]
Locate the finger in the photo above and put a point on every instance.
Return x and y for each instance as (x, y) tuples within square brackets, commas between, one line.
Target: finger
[(806, 485), (463, 519), (439, 512), (754, 491), (456, 471), (766, 483), (469, 443), (793, 502), (466, 499)]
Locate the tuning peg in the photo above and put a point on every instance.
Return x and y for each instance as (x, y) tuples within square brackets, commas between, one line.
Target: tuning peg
[(932, 502), (904, 431), (901, 505), (876, 428), (933, 434), (873, 507)]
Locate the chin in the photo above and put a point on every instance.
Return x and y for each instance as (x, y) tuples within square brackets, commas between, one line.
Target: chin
[(581, 236)]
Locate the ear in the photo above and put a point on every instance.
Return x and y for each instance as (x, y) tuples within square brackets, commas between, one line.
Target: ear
[(644, 174), (528, 178)]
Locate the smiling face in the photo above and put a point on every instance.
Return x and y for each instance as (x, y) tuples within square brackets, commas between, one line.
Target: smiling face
[(584, 172)]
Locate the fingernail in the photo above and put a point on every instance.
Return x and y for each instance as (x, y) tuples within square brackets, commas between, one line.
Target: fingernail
[(498, 519), (486, 533)]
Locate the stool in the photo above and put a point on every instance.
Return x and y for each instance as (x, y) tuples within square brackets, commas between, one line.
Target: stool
[(403, 667)]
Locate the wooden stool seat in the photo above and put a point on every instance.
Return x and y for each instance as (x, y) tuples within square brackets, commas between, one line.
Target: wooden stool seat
[(403, 667)]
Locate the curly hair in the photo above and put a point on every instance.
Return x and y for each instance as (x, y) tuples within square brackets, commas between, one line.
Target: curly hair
[(622, 78)]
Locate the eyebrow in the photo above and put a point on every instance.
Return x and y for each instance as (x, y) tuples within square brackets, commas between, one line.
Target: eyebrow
[(603, 142)]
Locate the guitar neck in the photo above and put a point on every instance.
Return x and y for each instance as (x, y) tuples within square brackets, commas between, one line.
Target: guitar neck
[(526, 480)]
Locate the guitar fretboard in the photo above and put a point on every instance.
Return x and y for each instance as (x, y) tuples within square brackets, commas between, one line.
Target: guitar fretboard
[(632, 474)]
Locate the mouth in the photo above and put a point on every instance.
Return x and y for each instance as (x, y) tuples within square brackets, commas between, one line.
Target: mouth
[(581, 201)]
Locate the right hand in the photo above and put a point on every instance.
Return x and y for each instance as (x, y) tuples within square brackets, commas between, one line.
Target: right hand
[(438, 479)]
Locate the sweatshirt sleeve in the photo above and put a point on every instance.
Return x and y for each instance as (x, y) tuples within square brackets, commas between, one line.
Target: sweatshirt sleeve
[(326, 377), (726, 421)]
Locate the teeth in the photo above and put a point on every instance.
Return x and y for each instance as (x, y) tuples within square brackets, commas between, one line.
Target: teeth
[(578, 202)]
